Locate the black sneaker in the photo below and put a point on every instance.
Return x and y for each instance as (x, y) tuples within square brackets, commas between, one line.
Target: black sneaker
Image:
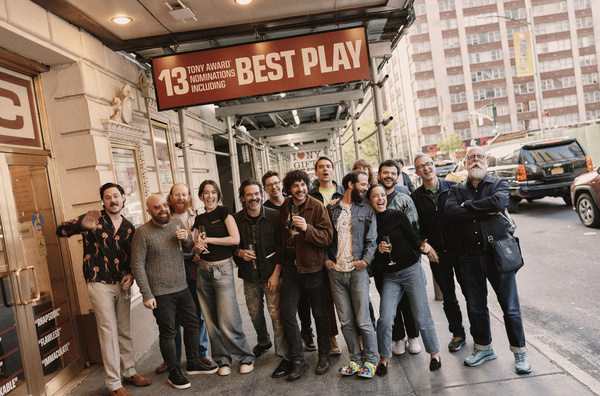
[(308, 340), (456, 343), (260, 350), (198, 367), (177, 380)]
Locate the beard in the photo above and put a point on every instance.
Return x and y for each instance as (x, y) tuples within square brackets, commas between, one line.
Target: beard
[(475, 172), (356, 196), (162, 220)]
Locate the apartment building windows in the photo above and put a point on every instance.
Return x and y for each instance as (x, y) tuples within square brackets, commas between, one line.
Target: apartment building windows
[(487, 75), (592, 114), (516, 13), (460, 116), (420, 47), (423, 84), (551, 27), (483, 38), (555, 64), (464, 133), (487, 56), (582, 4), (453, 61), (450, 42), (456, 79), (428, 121), (589, 78), (448, 24), (489, 93), (584, 22), (424, 65), (459, 97), (477, 3), (419, 9), (553, 46), (419, 28), (550, 8), (426, 103), (525, 88), (586, 41), (559, 101), (446, 5), (430, 138), (588, 60), (558, 83), (591, 97)]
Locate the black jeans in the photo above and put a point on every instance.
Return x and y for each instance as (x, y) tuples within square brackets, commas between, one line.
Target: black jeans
[(178, 305), (292, 284), (443, 273)]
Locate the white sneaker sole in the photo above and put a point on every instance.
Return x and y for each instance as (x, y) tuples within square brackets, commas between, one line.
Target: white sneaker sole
[(212, 371), (179, 386)]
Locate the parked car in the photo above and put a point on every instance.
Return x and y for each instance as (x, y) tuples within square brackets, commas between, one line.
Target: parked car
[(458, 174), (539, 169), (585, 195), (442, 168), (412, 173)]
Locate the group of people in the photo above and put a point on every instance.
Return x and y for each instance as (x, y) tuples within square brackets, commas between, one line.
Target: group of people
[(307, 254)]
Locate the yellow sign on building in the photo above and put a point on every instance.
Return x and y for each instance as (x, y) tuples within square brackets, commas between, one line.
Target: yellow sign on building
[(523, 53)]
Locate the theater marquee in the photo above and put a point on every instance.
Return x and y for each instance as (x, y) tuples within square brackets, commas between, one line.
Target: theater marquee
[(256, 69)]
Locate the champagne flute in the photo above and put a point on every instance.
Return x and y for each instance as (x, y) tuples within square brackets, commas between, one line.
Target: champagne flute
[(202, 233), (387, 240), (179, 240), (128, 292), (294, 213), (252, 248)]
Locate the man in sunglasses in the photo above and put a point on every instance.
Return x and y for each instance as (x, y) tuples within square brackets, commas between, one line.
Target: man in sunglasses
[(476, 206)]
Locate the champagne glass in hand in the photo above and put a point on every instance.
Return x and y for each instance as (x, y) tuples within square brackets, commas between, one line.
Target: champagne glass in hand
[(202, 234), (179, 240), (387, 240), (252, 248), (294, 213)]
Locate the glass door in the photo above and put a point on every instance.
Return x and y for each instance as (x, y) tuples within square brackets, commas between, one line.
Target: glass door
[(36, 316)]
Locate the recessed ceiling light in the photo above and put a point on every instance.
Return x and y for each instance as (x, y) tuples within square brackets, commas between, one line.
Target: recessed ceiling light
[(121, 20), (243, 2)]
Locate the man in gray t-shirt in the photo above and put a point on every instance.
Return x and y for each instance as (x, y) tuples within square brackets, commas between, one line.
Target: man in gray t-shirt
[(158, 266)]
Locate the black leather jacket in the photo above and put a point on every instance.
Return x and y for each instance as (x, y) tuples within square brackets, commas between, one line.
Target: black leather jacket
[(435, 227), (468, 207)]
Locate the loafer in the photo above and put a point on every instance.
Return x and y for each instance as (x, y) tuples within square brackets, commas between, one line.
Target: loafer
[(456, 343), (322, 365), (162, 368), (206, 360), (480, 356), (260, 350), (136, 380), (381, 370), (299, 367), (284, 368), (435, 364), (119, 392)]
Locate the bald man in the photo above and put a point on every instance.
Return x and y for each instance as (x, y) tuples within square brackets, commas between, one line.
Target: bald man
[(476, 206), (157, 261)]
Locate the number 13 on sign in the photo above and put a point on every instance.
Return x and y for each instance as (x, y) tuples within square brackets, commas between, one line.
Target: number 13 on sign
[(178, 74)]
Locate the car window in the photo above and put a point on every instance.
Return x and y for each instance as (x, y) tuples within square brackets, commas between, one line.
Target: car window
[(506, 155), (552, 154)]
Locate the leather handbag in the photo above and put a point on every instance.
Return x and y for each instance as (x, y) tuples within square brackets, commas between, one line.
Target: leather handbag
[(507, 253)]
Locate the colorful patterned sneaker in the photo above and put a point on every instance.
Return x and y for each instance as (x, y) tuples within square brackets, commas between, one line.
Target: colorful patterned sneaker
[(522, 365), (367, 370), (351, 369), (478, 357)]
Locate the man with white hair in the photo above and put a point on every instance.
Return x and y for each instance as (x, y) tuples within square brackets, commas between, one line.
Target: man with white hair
[(475, 206)]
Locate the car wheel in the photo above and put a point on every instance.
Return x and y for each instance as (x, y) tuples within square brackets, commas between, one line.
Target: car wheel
[(567, 199), (513, 204), (588, 211)]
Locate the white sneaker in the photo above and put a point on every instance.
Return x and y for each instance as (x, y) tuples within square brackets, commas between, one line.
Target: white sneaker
[(224, 370), (399, 347), (245, 368), (413, 345)]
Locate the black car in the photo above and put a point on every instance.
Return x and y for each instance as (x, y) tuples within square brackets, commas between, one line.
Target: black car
[(442, 168), (539, 169)]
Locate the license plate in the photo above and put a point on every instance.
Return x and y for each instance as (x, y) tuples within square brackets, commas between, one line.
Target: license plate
[(556, 171)]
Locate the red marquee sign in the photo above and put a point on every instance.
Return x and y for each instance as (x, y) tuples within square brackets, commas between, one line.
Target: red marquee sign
[(260, 68)]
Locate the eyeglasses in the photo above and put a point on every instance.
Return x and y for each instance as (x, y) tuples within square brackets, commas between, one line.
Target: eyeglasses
[(272, 184), (426, 164), (163, 205), (478, 157)]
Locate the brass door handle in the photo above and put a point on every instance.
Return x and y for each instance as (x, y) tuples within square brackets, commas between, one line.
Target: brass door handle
[(36, 294)]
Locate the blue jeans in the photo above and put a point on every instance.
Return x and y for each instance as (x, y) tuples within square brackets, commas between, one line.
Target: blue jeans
[(255, 295), (216, 292), (476, 270), (350, 292), (178, 305), (412, 281), (443, 273)]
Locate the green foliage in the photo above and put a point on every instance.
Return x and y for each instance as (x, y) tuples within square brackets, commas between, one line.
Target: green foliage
[(450, 143), (369, 149)]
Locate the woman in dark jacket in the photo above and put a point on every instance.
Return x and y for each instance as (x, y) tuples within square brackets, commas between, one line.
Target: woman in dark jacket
[(402, 273)]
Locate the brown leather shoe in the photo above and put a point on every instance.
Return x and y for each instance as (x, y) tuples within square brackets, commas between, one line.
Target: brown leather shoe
[(137, 381), (206, 360), (162, 368), (119, 392)]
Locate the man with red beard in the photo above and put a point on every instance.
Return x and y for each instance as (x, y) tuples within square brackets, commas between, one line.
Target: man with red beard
[(476, 206), (107, 270), (158, 266)]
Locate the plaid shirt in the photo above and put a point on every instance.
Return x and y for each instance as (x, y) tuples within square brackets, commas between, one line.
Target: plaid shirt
[(106, 254)]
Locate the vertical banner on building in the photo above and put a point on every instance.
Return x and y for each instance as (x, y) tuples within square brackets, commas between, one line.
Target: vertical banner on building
[(215, 75), (523, 53)]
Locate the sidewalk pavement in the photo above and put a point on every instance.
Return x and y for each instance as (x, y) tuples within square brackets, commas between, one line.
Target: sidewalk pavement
[(407, 374)]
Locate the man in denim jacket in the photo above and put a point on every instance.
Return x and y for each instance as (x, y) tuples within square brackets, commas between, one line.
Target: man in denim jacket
[(347, 258)]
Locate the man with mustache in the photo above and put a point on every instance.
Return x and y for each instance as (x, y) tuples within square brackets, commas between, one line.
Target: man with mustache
[(388, 178), (157, 261), (475, 207), (180, 201), (107, 270), (259, 261), (347, 258)]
